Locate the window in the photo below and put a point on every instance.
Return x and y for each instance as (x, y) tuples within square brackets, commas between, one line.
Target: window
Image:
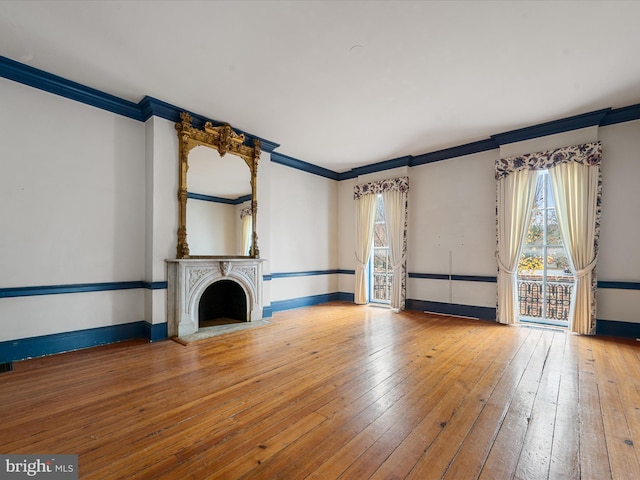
[(545, 281), (380, 266)]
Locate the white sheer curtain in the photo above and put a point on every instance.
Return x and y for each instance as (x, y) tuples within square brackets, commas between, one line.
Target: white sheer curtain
[(395, 212), (247, 221), (365, 217), (516, 193), (575, 188)]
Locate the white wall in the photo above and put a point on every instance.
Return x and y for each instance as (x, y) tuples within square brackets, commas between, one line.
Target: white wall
[(452, 216), (619, 258), (161, 238), (452, 222), (452, 229), (263, 220), (346, 227), (72, 186), (303, 215), (90, 196)]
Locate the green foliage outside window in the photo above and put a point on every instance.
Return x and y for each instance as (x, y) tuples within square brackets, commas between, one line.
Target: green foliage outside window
[(530, 263)]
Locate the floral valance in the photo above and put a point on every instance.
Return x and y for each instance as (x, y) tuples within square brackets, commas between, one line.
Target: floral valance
[(374, 188), (246, 211), (587, 154)]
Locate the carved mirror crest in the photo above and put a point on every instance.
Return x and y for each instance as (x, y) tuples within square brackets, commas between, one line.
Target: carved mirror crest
[(217, 192)]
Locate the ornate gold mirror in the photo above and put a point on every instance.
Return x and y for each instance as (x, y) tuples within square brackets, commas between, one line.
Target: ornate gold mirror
[(217, 192)]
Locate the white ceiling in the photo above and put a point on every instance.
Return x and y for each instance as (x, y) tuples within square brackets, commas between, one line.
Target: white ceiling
[(343, 84)]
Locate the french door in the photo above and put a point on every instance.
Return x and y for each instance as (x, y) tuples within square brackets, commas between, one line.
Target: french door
[(545, 281), (380, 263)]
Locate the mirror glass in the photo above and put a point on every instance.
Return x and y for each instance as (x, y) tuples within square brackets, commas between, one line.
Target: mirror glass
[(218, 203)]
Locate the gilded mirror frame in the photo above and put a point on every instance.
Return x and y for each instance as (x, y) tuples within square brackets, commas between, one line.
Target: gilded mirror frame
[(225, 140)]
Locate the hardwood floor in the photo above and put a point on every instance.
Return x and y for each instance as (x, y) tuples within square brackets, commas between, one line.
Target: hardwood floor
[(337, 391)]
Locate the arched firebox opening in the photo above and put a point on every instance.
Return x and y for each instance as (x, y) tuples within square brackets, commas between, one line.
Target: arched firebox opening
[(223, 302)]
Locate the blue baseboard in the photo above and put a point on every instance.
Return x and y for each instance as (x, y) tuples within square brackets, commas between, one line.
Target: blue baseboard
[(24, 348), (346, 297), (484, 313), (155, 332), (613, 328), (304, 301), (603, 327)]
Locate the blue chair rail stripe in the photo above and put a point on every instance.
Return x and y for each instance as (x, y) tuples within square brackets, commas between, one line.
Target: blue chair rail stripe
[(78, 288)]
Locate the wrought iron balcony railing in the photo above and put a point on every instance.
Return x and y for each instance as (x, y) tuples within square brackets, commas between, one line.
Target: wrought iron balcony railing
[(558, 295)]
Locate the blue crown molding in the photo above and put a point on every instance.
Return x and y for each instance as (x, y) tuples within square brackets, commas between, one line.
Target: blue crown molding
[(152, 107), (621, 115), (48, 82), (414, 161), (140, 111), (376, 167), (606, 116), (576, 122), (347, 175), (210, 198), (304, 166), (454, 152)]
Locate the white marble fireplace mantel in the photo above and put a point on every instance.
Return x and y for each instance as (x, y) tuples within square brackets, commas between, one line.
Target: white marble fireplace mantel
[(188, 279)]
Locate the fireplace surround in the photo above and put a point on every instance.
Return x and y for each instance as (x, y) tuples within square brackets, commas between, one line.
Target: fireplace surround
[(188, 279)]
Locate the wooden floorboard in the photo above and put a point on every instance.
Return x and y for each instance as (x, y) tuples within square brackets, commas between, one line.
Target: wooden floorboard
[(337, 391)]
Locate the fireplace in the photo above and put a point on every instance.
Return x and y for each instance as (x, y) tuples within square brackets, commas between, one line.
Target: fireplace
[(221, 287), (222, 302)]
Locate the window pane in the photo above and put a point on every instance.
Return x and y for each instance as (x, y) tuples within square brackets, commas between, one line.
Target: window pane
[(557, 262), (539, 198), (380, 235), (550, 200), (379, 210), (536, 225), (381, 287), (553, 229), (531, 261), (380, 260)]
